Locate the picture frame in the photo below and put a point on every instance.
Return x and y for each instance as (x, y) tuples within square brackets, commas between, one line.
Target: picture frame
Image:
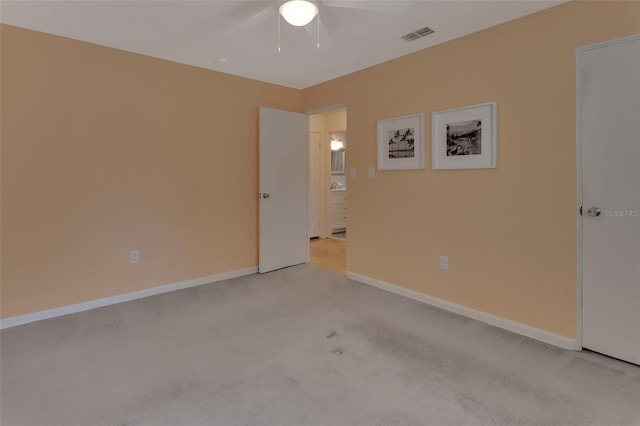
[(401, 143), (465, 138)]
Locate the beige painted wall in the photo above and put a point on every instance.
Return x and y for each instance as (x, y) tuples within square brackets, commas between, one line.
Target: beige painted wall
[(335, 121), (510, 232), (105, 151)]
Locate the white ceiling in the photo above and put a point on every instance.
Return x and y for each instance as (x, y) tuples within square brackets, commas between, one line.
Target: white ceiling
[(245, 33)]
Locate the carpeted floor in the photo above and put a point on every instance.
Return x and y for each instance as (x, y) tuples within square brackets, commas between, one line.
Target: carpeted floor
[(299, 346)]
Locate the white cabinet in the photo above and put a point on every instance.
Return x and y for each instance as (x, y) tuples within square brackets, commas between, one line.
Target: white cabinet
[(338, 210)]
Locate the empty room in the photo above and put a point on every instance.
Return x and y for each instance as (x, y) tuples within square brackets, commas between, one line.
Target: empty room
[(170, 168)]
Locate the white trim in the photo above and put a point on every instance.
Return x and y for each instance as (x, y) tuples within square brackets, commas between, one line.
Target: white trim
[(516, 327), (579, 196), (579, 251), (325, 110), (608, 43), (126, 297)]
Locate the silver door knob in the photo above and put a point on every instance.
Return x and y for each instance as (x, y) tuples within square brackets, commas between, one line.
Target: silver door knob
[(263, 195), (593, 212)]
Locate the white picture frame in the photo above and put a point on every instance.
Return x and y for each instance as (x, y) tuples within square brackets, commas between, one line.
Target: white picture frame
[(401, 143), (465, 138)]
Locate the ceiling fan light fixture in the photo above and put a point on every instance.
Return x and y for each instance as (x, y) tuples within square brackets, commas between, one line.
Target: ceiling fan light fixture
[(298, 12)]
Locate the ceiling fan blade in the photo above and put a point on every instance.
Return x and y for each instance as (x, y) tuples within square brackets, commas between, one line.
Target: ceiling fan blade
[(252, 20), (320, 38), (389, 6)]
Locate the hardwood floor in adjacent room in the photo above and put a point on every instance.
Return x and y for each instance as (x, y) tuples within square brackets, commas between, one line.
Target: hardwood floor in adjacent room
[(329, 253)]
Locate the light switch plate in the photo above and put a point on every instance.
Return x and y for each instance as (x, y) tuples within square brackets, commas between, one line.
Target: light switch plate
[(444, 262)]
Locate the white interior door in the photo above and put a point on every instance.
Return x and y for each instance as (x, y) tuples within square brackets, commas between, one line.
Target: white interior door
[(609, 113), (283, 239), (314, 184)]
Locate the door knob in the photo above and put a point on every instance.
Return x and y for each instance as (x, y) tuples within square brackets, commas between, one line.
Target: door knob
[(593, 211), (263, 195)]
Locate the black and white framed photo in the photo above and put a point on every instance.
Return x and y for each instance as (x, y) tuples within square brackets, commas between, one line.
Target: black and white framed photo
[(465, 138), (401, 143)]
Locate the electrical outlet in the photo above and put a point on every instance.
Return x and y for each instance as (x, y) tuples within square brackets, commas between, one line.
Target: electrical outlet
[(135, 256), (444, 262), (353, 173)]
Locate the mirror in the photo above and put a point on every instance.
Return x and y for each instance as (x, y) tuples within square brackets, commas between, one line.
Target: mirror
[(337, 162)]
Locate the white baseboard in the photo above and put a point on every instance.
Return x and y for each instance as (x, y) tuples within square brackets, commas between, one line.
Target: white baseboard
[(92, 304), (513, 326)]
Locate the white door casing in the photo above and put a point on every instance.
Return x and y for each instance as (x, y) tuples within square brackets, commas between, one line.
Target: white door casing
[(609, 156), (314, 184), (283, 187)]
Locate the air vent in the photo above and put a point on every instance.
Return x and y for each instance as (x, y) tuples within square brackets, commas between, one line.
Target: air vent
[(414, 35)]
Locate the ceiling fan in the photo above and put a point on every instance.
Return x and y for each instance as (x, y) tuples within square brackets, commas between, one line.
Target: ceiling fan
[(301, 13)]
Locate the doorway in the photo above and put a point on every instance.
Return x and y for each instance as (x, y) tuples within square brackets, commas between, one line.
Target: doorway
[(609, 195), (328, 188)]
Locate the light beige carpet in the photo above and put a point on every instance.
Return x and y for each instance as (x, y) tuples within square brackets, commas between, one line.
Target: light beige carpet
[(299, 346)]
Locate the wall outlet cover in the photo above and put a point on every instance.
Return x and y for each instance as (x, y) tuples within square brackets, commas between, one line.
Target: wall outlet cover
[(444, 262)]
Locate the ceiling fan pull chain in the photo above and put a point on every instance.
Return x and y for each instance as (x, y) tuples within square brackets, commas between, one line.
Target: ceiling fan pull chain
[(279, 19), (318, 18)]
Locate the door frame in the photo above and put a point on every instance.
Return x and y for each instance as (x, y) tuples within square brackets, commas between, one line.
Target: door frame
[(327, 109), (579, 52), (309, 190), (323, 194)]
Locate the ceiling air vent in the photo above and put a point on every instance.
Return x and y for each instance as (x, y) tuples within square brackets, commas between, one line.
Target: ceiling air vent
[(414, 35)]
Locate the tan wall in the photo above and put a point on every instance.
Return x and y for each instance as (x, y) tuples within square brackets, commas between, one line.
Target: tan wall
[(105, 151), (335, 121), (510, 232)]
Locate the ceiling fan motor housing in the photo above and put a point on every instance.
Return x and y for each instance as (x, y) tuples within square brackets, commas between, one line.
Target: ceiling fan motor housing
[(298, 12)]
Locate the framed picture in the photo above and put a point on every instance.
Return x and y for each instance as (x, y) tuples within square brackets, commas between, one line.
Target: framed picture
[(401, 143), (465, 138)]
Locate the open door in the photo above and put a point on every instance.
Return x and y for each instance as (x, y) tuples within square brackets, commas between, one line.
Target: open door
[(283, 234)]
